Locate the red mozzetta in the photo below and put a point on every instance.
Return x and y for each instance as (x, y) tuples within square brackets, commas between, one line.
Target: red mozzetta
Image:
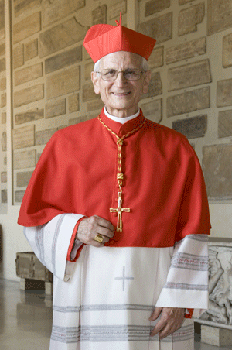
[(163, 182)]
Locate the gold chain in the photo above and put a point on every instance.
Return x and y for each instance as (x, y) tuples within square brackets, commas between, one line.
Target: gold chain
[(120, 175), (125, 136)]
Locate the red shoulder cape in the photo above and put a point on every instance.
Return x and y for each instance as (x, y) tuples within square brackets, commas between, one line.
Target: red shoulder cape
[(164, 185)]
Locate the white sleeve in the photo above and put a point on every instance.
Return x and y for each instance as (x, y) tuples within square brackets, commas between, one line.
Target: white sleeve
[(50, 243), (187, 281)]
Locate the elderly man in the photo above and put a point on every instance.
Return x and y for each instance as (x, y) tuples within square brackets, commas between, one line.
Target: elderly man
[(117, 210)]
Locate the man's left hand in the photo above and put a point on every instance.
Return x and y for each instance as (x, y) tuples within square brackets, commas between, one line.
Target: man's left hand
[(171, 320)]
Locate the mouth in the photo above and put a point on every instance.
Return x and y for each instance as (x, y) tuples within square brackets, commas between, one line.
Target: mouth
[(121, 93)]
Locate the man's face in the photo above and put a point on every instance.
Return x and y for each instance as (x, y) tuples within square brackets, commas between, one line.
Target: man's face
[(121, 96)]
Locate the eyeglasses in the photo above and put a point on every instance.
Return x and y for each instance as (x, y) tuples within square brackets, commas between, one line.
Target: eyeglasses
[(128, 74)]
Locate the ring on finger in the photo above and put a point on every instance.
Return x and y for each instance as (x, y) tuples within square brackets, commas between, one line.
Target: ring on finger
[(98, 238)]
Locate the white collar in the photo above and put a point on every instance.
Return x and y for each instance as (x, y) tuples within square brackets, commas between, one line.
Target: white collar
[(121, 120)]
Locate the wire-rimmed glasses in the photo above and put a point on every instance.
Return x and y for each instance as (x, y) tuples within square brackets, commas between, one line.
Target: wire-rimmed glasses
[(128, 74)]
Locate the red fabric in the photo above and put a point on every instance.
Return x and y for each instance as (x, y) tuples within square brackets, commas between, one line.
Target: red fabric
[(78, 254), (190, 315), (164, 186), (102, 39), (68, 257)]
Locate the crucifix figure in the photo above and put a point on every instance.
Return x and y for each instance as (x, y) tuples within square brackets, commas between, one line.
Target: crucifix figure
[(119, 210)]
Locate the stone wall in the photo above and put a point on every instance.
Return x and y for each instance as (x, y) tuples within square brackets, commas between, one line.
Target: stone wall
[(220, 284), (193, 62), (51, 78), (190, 89), (3, 135)]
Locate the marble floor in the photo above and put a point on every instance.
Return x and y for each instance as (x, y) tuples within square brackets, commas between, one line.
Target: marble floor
[(26, 319)]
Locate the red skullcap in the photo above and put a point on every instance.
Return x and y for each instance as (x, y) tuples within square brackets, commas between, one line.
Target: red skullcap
[(102, 39)]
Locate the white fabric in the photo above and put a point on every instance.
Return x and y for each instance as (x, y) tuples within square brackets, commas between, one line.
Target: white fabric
[(188, 275), (96, 308), (121, 120), (50, 243)]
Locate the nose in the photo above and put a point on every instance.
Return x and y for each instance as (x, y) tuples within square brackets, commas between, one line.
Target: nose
[(120, 80)]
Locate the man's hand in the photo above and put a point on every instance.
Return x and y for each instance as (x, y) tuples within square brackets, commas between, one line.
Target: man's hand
[(171, 320), (93, 225)]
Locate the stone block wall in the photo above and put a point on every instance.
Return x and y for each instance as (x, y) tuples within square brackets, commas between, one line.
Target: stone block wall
[(190, 89), (193, 60), (51, 74), (3, 134)]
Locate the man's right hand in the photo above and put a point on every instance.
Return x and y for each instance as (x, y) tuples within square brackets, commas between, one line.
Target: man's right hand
[(90, 227)]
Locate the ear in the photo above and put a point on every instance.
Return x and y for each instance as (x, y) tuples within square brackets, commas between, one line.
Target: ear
[(146, 81), (95, 80)]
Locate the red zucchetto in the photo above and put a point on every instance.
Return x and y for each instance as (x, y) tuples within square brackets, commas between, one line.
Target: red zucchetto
[(102, 39)]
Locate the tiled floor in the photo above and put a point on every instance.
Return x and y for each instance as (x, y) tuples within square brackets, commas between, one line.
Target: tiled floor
[(26, 319)]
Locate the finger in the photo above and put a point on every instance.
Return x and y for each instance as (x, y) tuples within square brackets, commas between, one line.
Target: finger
[(159, 327), (166, 331), (104, 223), (170, 321), (105, 239), (155, 314), (171, 327), (99, 244), (104, 231), (96, 244)]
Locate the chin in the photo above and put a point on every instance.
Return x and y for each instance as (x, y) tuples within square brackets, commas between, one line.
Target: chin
[(122, 104)]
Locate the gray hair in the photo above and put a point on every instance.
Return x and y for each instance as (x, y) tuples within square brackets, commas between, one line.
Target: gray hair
[(144, 65)]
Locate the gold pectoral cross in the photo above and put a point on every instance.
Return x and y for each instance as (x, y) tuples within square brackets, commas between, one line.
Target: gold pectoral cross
[(119, 210), (120, 175)]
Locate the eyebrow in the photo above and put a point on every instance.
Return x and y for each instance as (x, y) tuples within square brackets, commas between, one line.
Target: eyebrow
[(123, 69)]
